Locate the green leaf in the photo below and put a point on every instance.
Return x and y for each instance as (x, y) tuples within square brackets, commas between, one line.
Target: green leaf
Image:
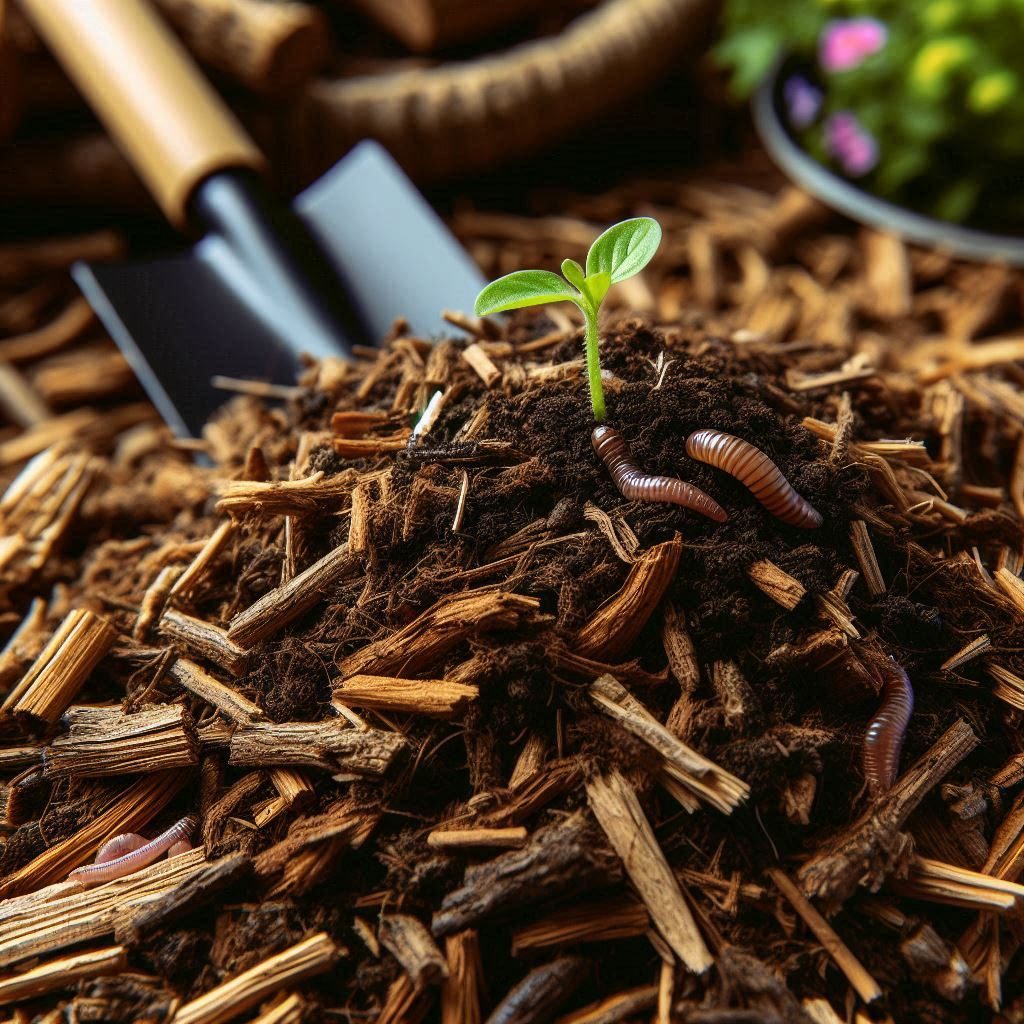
[(624, 249), (596, 287), (573, 273), (750, 52), (523, 288)]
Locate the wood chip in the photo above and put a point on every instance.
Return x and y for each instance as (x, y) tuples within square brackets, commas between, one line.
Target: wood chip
[(437, 698), (683, 769), (105, 741), (979, 645), (306, 959), (611, 631), (481, 364), (461, 991), (866, 851), (63, 915), (62, 667), (617, 808), (63, 973), (219, 695), (436, 631), (864, 550), (414, 948), (782, 588), (582, 922)]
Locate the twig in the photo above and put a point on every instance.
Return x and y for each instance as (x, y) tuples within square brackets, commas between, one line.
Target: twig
[(333, 746), (863, 983), (203, 639), (512, 837), (541, 992), (275, 610)]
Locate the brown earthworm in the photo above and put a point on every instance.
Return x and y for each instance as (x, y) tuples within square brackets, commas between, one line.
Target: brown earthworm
[(116, 866), (636, 485), (756, 471), (887, 730)]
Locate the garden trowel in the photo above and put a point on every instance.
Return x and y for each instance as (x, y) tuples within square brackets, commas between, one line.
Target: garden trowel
[(266, 282)]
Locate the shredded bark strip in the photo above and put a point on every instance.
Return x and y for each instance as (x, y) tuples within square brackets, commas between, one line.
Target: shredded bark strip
[(469, 736)]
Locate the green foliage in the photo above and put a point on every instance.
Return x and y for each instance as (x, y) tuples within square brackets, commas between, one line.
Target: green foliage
[(941, 99), (624, 249), (523, 288), (619, 253)]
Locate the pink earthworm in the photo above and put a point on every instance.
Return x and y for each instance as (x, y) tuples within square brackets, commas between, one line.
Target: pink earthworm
[(886, 732), (119, 846), (633, 483), (755, 471), (124, 854)]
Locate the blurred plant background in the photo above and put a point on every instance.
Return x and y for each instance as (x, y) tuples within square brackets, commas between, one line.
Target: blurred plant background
[(919, 102)]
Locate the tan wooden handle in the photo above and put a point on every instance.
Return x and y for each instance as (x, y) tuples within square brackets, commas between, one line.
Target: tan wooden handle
[(148, 92)]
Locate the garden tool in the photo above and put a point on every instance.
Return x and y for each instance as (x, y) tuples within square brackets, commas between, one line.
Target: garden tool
[(266, 282)]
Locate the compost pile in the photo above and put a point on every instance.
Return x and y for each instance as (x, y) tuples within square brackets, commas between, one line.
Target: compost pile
[(468, 736)]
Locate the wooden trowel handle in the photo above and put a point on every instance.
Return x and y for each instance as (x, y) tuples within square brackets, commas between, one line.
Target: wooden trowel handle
[(146, 89)]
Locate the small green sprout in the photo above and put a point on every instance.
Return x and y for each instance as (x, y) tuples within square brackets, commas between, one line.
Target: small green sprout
[(620, 252)]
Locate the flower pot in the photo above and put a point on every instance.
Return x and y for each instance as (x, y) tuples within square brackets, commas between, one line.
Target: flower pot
[(854, 202)]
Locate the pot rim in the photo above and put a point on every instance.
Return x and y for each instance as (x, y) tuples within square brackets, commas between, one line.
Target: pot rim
[(841, 195)]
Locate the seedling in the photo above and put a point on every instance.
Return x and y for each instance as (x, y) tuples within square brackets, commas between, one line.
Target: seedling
[(619, 253)]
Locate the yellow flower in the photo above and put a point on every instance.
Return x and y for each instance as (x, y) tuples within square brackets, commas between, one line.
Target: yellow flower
[(940, 15), (935, 60), (992, 91)]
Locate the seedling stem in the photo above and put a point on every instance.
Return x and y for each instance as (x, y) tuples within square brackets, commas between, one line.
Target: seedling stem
[(620, 252)]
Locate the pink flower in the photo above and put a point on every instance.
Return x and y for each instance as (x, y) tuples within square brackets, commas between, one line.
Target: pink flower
[(851, 144), (846, 43)]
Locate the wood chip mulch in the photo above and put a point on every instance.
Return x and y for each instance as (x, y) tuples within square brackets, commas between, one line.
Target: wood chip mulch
[(469, 736)]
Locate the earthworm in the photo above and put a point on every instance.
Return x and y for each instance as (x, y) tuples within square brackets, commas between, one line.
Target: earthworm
[(756, 471), (120, 845), (887, 730), (136, 856), (636, 485)]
